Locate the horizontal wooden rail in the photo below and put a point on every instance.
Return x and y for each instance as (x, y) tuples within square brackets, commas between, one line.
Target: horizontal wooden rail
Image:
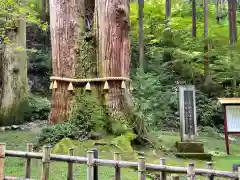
[(15, 178), (122, 164)]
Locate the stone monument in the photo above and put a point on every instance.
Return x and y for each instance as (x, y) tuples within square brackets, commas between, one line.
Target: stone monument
[(188, 113), (189, 146)]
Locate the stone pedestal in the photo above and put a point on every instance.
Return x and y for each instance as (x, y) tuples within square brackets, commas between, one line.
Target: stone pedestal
[(192, 150)]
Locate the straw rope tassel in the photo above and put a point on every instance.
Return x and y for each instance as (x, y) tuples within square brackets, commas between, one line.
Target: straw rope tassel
[(70, 86), (55, 85), (106, 87), (51, 85), (123, 85), (88, 87)]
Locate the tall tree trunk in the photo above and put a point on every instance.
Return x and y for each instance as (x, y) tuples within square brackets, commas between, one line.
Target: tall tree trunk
[(230, 21), (194, 19), (73, 52), (101, 49), (167, 11), (206, 61), (141, 34), (232, 34), (14, 75), (234, 9), (63, 18), (112, 29)]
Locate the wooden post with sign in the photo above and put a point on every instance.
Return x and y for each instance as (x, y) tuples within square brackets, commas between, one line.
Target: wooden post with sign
[(231, 108)]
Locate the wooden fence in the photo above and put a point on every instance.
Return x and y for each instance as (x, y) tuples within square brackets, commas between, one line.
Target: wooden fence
[(93, 162)]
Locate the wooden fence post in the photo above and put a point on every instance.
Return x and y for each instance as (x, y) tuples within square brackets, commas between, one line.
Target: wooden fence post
[(46, 162), (190, 172), (2, 156), (210, 166), (28, 162), (163, 174), (117, 168), (141, 168), (70, 165), (239, 173), (95, 168), (90, 163)]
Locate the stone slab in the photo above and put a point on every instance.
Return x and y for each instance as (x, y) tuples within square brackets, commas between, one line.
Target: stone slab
[(190, 147), (197, 156)]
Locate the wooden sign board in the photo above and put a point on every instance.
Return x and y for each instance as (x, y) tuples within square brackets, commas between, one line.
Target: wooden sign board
[(188, 123), (231, 118)]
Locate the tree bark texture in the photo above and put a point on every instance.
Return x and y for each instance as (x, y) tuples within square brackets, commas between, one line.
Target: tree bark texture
[(64, 33), (113, 47), (14, 76), (73, 51)]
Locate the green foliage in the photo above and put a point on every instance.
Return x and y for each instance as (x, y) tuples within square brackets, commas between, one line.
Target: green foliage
[(53, 134), (87, 115), (39, 108), (178, 60), (123, 142), (88, 112), (35, 108)]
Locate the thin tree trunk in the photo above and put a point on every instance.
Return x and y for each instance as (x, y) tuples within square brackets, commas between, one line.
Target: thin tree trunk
[(15, 82), (230, 21), (234, 9), (194, 19), (112, 29), (206, 61), (141, 34), (167, 11)]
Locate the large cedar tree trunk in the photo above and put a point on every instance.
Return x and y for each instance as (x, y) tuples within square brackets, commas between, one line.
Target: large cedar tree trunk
[(63, 18), (90, 39), (72, 53), (14, 75), (112, 29)]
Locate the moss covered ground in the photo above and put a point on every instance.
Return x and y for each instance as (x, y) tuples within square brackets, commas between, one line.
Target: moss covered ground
[(165, 143)]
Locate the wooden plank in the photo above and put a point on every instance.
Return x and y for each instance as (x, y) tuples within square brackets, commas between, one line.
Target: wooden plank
[(28, 162), (2, 156), (141, 168), (45, 162), (163, 174), (117, 168), (90, 163), (70, 165)]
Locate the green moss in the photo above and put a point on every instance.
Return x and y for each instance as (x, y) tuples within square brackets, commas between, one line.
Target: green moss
[(88, 111), (62, 146)]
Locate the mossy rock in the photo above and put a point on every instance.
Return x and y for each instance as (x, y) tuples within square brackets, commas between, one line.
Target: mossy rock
[(62, 146), (190, 147)]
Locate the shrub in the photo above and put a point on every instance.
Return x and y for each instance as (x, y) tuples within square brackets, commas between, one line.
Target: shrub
[(87, 115)]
